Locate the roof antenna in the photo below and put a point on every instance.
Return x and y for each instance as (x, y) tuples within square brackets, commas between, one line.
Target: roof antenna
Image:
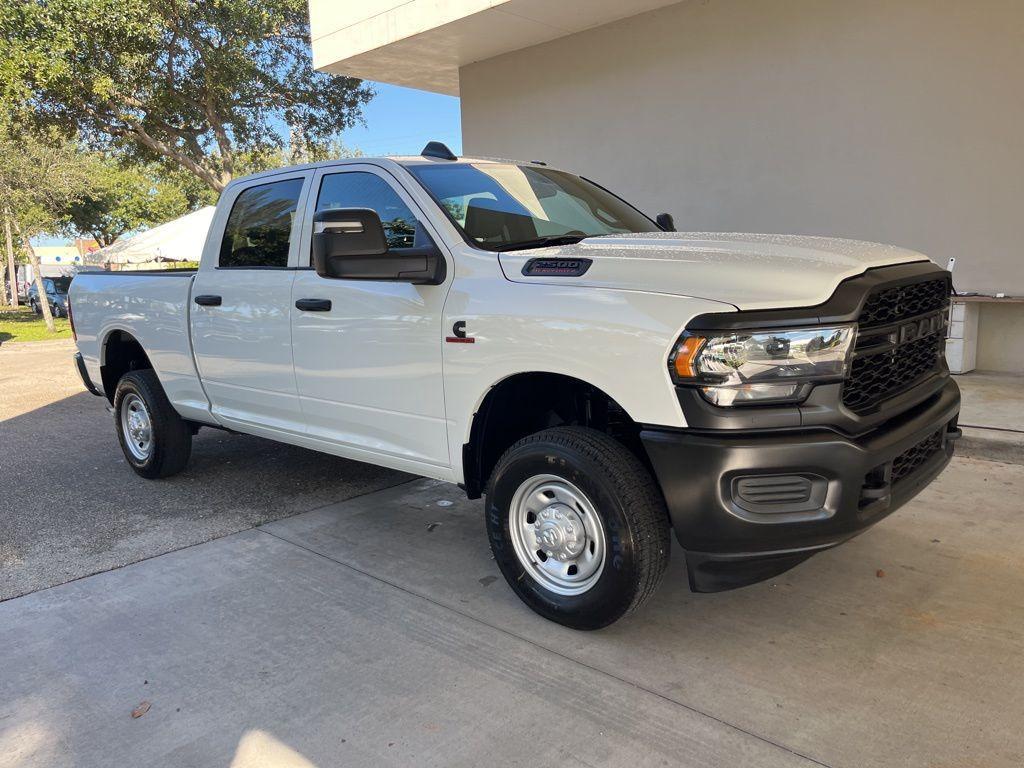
[(438, 150)]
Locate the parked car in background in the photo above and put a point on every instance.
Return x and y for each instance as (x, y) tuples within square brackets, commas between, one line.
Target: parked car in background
[(56, 294), (602, 380)]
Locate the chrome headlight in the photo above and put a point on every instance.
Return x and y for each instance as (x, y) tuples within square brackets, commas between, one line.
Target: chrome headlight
[(751, 367)]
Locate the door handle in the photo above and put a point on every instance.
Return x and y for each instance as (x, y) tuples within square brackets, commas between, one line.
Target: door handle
[(313, 305), (208, 301)]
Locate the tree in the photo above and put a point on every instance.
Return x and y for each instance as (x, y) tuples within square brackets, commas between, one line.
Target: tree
[(296, 152), (122, 198), (10, 281), (192, 82), (40, 176)]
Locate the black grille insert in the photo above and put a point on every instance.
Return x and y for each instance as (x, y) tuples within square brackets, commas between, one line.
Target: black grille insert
[(901, 341), (893, 304), (911, 460)]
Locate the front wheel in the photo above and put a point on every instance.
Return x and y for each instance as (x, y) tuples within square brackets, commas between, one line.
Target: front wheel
[(156, 441), (577, 525)]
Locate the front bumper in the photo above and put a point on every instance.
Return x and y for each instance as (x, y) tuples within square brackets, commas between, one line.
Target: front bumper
[(747, 506)]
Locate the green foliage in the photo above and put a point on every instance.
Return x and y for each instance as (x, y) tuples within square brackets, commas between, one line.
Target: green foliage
[(196, 193), (297, 152), (41, 175), (49, 184), (197, 83), (121, 198)]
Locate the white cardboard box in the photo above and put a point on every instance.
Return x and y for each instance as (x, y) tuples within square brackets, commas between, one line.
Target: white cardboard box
[(964, 320), (961, 355), (962, 341)]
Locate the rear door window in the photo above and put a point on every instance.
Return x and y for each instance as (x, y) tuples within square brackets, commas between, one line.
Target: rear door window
[(259, 229)]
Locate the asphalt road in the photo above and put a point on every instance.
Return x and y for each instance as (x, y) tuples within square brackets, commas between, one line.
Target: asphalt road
[(70, 506)]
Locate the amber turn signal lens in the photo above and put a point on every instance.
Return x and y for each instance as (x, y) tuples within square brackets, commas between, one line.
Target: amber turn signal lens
[(686, 355)]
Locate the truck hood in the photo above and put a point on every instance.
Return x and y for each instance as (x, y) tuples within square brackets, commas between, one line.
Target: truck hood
[(747, 271)]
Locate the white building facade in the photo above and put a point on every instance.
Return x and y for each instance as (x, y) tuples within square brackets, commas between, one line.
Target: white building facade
[(891, 120)]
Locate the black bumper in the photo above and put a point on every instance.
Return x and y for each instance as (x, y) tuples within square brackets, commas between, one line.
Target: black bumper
[(747, 506), (84, 373)]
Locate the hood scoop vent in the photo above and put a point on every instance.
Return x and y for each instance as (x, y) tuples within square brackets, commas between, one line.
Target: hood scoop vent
[(556, 267)]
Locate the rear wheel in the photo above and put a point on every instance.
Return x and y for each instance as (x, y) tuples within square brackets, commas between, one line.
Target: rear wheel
[(156, 441), (577, 526)]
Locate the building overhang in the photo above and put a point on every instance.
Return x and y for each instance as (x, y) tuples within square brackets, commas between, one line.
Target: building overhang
[(423, 43)]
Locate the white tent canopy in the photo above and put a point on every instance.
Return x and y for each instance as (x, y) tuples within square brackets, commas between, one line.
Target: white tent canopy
[(178, 240)]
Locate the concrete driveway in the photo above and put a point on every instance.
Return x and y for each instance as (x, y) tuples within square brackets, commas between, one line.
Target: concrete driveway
[(377, 631)]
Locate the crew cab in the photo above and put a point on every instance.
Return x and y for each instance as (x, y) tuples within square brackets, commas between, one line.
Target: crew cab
[(603, 381)]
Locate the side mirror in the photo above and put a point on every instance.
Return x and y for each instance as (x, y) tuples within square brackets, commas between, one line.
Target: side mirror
[(349, 232), (350, 244), (666, 222)]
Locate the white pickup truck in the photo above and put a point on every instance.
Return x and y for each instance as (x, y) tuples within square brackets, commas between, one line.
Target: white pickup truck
[(523, 332)]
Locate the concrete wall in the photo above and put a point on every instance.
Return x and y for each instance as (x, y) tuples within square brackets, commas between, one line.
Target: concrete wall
[(893, 120), (1001, 338)]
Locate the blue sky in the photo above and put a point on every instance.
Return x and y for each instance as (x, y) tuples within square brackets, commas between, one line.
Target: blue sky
[(399, 121)]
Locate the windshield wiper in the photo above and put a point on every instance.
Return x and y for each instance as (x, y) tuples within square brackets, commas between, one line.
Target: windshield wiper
[(544, 242)]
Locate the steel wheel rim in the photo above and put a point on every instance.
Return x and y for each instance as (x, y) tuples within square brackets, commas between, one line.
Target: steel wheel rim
[(137, 427), (557, 535)]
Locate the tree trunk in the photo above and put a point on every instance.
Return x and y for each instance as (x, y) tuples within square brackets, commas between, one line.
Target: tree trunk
[(44, 300), (5, 296), (12, 271), (33, 259)]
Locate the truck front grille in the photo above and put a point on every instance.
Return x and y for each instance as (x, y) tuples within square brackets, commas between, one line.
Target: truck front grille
[(893, 304), (900, 343)]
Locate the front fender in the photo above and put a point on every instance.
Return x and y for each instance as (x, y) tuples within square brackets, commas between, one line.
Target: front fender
[(617, 341)]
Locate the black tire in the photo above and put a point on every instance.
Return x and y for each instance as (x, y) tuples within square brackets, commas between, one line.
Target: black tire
[(627, 501), (171, 436), (36, 308)]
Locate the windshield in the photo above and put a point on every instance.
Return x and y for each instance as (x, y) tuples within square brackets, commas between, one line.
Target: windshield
[(500, 206), (61, 284)]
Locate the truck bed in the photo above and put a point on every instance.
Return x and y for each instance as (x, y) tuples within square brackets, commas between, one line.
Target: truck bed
[(152, 307)]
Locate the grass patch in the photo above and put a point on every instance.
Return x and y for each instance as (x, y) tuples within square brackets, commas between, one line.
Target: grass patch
[(22, 324)]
